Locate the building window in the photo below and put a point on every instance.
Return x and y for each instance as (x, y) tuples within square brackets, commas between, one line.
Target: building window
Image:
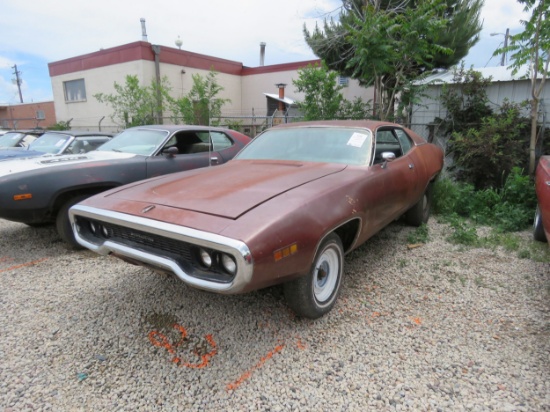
[(75, 90), (343, 81), (40, 115)]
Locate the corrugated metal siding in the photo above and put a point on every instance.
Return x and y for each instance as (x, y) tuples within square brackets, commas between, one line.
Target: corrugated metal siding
[(515, 91)]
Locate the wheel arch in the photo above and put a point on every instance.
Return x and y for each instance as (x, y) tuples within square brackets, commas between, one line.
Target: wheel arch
[(348, 232), (64, 196)]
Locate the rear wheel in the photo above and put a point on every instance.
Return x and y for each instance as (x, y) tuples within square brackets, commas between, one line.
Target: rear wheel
[(63, 224), (314, 295), (420, 212), (538, 229)]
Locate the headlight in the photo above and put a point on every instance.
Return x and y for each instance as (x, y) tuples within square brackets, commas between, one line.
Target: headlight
[(93, 227), (229, 264), (105, 231), (206, 258)]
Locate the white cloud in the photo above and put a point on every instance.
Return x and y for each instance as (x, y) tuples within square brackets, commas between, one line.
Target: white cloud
[(216, 27), (499, 15)]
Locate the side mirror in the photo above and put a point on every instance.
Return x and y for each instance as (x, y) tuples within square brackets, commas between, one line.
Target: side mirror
[(171, 151), (388, 157)]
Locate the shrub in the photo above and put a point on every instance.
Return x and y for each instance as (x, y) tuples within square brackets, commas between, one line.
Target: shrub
[(508, 209), (485, 156)]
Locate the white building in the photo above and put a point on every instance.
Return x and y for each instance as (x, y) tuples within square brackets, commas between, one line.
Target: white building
[(253, 91)]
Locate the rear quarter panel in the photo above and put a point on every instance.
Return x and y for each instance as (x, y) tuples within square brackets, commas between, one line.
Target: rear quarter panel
[(542, 187)]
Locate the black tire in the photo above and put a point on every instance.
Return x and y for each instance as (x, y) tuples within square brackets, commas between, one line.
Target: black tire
[(314, 295), (538, 229), (63, 224), (420, 212)]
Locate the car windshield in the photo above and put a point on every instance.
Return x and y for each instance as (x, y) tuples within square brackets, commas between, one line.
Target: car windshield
[(138, 141), (312, 144), (50, 143), (10, 139)]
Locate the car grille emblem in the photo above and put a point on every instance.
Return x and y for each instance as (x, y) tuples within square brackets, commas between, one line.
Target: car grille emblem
[(147, 209)]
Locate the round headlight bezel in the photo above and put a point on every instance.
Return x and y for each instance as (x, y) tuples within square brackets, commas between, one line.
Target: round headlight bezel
[(206, 258), (229, 264)]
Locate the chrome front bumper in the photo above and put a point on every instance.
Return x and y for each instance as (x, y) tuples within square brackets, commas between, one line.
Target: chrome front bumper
[(239, 250)]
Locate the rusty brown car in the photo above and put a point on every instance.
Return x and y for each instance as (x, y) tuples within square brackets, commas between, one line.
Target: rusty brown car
[(541, 225), (285, 210)]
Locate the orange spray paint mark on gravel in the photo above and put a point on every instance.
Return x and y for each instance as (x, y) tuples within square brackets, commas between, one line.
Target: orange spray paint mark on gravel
[(160, 340), (248, 373), (34, 262)]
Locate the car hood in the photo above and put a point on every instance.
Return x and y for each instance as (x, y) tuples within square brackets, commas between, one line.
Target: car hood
[(13, 153), (18, 165), (229, 190)]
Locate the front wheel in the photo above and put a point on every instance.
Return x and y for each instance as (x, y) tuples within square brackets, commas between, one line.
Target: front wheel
[(63, 224), (314, 295), (538, 229)]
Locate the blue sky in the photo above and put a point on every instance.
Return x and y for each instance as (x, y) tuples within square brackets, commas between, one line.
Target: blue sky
[(32, 36)]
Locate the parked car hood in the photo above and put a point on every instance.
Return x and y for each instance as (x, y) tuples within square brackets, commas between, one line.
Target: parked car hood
[(229, 190), (19, 165)]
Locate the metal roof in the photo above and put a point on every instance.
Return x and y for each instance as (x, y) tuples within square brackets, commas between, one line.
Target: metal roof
[(286, 100), (497, 74)]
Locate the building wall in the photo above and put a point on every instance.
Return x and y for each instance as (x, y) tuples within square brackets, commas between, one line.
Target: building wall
[(26, 115), (244, 87), (262, 80)]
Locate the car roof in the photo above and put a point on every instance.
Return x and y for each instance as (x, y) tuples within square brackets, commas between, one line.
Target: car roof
[(367, 124), (175, 128), (27, 131), (93, 137), (78, 133)]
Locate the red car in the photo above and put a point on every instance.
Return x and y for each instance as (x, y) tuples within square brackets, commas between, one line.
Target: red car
[(285, 210), (542, 186)]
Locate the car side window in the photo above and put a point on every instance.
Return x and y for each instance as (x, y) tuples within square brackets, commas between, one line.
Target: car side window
[(220, 140), (404, 139), (188, 142), (386, 141)]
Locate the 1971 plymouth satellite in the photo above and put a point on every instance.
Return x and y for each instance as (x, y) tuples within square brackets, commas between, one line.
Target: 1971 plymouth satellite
[(40, 190), (542, 186), (59, 142), (285, 210)]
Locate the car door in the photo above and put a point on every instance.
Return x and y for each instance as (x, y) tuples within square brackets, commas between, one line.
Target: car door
[(194, 151), (392, 184)]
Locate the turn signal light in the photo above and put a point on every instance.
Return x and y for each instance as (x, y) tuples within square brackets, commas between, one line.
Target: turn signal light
[(285, 252), (23, 196)]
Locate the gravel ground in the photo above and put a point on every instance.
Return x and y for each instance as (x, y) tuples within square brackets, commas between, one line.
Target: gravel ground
[(439, 327)]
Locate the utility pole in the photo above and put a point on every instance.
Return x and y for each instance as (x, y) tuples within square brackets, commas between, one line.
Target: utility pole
[(503, 61), (18, 81)]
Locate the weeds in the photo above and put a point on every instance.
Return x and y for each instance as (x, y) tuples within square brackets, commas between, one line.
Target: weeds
[(419, 235), (508, 209)]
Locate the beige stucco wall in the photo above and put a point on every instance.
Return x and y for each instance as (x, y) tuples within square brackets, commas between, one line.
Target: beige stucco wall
[(246, 93), (87, 114)]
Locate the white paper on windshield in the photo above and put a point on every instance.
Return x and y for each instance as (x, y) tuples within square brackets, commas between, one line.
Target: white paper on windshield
[(357, 139), (59, 143)]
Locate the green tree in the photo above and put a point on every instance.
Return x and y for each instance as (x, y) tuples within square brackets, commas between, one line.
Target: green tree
[(132, 104), (388, 43), (201, 104), (322, 97), (465, 99), (532, 47)]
